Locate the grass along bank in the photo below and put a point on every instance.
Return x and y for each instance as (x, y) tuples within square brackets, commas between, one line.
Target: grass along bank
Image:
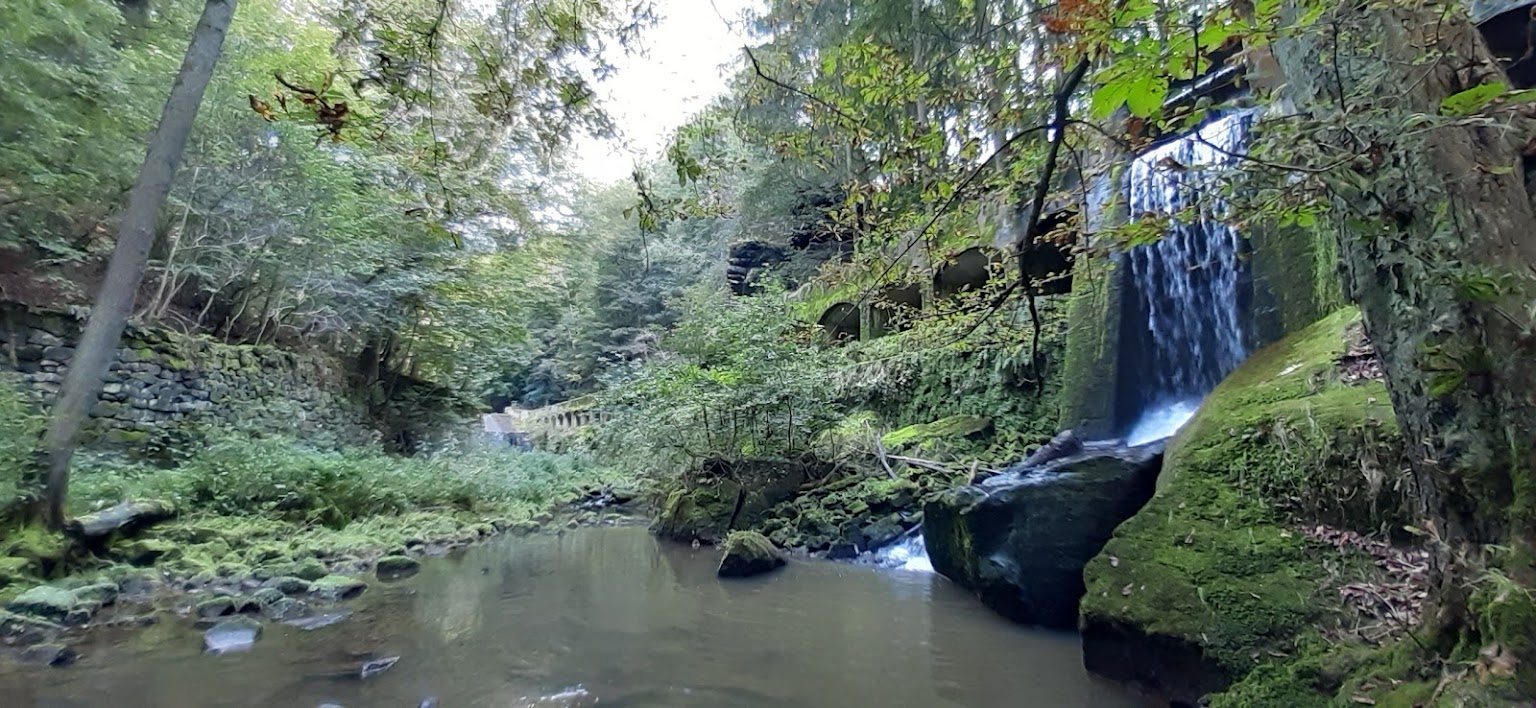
[(259, 513)]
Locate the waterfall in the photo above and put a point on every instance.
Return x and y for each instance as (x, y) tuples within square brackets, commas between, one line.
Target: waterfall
[(906, 553), (1188, 284)]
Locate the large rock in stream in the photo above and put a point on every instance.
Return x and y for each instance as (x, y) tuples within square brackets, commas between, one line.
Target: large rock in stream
[(749, 553), (1020, 540)]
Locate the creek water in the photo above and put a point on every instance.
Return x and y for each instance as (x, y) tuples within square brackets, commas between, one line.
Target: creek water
[(603, 617)]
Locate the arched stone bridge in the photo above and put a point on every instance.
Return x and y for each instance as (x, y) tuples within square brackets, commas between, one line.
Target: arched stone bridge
[(551, 421)]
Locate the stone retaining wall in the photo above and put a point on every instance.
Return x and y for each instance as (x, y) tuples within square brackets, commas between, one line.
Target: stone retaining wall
[(162, 380)]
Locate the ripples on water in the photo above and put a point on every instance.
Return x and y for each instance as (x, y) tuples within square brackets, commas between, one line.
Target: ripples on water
[(604, 617)]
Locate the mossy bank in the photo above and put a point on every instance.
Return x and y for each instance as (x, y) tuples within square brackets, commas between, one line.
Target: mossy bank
[(1248, 573)]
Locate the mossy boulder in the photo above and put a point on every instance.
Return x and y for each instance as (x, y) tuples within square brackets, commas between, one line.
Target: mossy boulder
[(1212, 576), (727, 495), (337, 587), (310, 569), (215, 607), (862, 511), (396, 567), (97, 593), (1020, 540), (45, 601), (289, 585), (945, 431), (146, 551), (14, 571), (749, 553)]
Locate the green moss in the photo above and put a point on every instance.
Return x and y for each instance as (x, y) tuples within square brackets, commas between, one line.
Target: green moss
[(1506, 614), (953, 428), (1214, 560), (43, 550), (1323, 673), (1295, 275)]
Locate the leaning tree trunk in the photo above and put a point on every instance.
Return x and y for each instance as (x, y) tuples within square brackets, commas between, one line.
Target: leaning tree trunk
[(1438, 237), (136, 235)]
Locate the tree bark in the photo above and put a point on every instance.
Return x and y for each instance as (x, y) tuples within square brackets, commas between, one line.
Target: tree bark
[(125, 271), (1439, 242)]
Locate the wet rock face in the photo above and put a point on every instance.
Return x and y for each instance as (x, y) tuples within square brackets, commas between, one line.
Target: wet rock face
[(1020, 540), (749, 553)]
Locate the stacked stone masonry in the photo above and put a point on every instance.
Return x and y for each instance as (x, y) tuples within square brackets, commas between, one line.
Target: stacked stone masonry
[(161, 380)]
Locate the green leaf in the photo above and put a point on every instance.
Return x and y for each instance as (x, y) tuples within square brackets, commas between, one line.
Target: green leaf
[(1145, 96), (1472, 100), (1108, 98)]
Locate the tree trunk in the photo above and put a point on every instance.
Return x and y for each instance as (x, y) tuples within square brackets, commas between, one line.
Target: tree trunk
[(1439, 242), (125, 272)]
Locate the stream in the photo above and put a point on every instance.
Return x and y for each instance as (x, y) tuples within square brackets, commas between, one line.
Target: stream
[(603, 617)]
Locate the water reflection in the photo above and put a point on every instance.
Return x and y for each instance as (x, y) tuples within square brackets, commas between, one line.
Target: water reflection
[(611, 618)]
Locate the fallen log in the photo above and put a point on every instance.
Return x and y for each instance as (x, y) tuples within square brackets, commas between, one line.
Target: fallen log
[(126, 517)]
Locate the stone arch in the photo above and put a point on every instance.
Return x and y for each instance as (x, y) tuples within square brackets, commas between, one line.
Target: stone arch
[(840, 321), (898, 303), (1048, 257), (967, 270)]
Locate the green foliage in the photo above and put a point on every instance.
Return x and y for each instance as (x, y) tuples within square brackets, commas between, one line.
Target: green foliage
[(281, 478), (735, 384), (1472, 100), (21, 426)]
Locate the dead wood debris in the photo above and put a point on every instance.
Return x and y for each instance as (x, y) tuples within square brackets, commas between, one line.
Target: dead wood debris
[(1390, 603)]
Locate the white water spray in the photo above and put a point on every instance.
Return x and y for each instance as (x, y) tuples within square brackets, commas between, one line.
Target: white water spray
[(908, 553)]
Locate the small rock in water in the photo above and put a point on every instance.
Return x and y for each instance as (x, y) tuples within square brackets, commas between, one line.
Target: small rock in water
[(48, 655), (285, 609), (396, 567), (215, 607), (377, 666), (337, 587), (45, 601), (428, 702), (842, 551), (232, 635), (318, 621), (748, 553)]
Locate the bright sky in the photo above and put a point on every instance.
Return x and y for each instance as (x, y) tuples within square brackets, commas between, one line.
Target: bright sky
[(686, 60)]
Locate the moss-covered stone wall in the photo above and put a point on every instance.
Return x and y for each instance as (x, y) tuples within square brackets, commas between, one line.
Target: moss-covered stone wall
[(161, 380), (1091, 367), (1295, 279)]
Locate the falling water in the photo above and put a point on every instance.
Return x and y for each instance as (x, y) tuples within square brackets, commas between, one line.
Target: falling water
[(906, 553), (1187, 282)]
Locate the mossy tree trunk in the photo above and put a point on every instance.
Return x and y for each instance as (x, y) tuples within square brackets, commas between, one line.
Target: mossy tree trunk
[(1438, 237)]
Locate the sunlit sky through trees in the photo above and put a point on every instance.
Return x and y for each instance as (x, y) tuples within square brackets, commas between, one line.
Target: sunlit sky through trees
[(682, 64)]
